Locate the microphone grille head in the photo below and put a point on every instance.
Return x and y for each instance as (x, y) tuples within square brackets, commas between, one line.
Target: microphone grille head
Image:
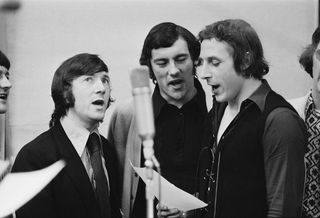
[(139, 77)]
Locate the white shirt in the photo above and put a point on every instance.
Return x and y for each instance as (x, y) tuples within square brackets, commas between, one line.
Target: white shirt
[(79, 136)]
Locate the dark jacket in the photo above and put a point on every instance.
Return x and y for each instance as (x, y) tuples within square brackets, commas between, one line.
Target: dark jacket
[(231, 175), (70, 193)]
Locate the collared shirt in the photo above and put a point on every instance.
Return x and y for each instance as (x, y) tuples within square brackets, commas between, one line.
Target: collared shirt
[(311, 202), (178, 137), (279, 157), (79, 137), (235, 182), (177, 142)]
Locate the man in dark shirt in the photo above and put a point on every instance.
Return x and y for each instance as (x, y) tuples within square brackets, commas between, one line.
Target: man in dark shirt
[(259, 139), (170, 51), (254, 162)]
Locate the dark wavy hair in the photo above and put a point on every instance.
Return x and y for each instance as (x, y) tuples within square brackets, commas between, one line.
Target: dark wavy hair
[(306, 58), (247, 48), (70, 69), (164, 35), (4, 61)]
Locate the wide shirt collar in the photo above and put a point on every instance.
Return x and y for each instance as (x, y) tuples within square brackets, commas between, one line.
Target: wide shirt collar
[(78, 135)]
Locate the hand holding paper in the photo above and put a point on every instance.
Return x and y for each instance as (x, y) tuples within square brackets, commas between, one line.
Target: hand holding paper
[(171, 196)]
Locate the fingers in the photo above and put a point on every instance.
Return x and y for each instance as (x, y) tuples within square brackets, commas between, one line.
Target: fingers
[(164, 211), (161, 207), (172, 213)]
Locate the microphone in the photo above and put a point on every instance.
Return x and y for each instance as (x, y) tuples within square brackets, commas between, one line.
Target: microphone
[(141, 93), (142, 100)]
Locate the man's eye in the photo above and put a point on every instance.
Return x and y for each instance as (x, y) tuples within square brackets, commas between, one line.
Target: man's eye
[(215, 63), (88, 79), (105, 80), (161, 63), (199, 63), (2, 75), (180, 60)]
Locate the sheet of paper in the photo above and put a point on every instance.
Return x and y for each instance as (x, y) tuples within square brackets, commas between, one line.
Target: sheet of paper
[(16, 189), (171, 196)]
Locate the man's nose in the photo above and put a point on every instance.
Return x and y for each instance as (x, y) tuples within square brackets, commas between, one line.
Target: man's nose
[(204, 72), (100, 86), (173, 69), (5, 83)]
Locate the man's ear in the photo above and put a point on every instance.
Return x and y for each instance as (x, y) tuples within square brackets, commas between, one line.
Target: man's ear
[(247, 61), (68, 98), (109, 102)]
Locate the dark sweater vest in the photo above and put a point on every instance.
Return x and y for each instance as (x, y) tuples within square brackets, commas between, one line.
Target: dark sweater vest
[(241, 186)]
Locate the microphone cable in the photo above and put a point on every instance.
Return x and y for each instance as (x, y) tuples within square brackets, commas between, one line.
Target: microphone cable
[(157, 166)]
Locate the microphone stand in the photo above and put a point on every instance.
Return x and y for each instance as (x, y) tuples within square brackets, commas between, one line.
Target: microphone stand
[(148, 155), (157, 165), (150, 162), (145, 123)]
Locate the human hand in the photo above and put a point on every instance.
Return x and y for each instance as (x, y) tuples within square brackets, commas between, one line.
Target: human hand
[(164, 211)]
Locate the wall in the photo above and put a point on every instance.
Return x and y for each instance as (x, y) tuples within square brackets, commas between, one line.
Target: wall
[(43, 33)]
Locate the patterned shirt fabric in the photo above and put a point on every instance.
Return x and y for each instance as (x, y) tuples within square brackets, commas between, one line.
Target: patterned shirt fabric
[(311, 202)]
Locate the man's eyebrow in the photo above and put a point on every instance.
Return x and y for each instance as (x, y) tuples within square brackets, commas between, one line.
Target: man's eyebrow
[(106, 76), (213, 58), (160, 59), (3, 69), (177, 56), (182, 55)]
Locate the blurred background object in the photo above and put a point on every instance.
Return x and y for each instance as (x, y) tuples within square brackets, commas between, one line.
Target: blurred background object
[(9, 5)]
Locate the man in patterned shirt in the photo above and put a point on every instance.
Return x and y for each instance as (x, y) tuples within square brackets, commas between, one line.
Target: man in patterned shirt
[(308, 108)]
